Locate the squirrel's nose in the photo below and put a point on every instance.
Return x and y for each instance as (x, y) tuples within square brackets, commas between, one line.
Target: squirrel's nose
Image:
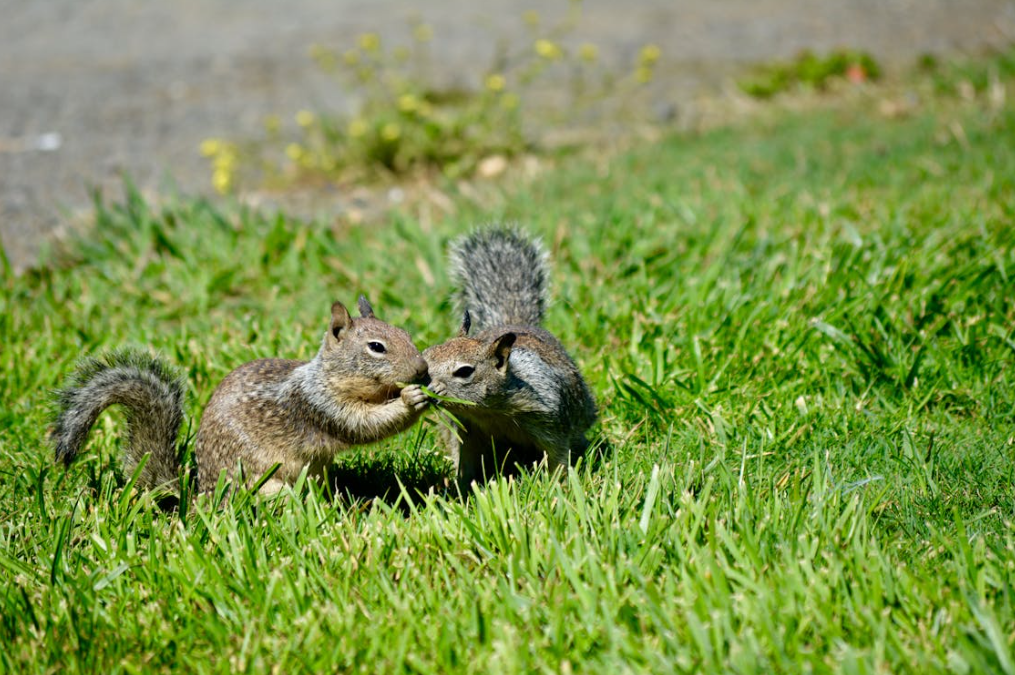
[(421, 369)]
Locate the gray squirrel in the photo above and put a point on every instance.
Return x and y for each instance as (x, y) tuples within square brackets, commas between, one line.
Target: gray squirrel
[(271, 411), (528, 398)]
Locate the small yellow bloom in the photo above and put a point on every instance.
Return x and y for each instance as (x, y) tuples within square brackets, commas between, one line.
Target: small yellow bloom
[(210, 146), (305, 118), (650, 53), (351, 57), (643, 74), (294, 151), (422, 32), (588, 52), (548, 49), (408, 103), (357, 128), (225, 160), (390, 132), (324, 57), (495, 82), (221, 181), (327, 62), (309, 161), (531, 18), (370, 42), (272, 124)]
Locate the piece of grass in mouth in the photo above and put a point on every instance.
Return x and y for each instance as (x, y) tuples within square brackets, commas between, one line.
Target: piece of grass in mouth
[(445, 418), (436, 397)]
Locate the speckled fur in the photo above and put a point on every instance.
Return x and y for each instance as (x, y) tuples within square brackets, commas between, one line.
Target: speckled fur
[(294, 413), (151, 393), (530, 398)]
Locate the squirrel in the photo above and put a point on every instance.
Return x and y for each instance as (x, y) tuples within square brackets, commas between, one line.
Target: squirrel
[(516, 392), (271, 411)]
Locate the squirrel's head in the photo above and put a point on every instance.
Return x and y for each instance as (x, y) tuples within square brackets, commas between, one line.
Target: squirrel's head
[(368, 357), (471, 369)]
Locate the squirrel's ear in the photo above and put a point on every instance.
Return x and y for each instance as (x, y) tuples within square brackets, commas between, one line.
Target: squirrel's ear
[(340, 319), (365, 310), (466, 325), (500, 350)]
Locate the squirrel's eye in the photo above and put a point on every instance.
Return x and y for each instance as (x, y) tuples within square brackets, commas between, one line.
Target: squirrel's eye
[(376, 347), (464, 371)]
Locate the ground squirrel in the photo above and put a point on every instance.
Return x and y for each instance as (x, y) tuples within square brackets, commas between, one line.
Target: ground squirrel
[(272, 411), (529, 398)]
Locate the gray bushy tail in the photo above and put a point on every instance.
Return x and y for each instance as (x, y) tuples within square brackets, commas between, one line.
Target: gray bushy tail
[(502, 277), (152, 394)]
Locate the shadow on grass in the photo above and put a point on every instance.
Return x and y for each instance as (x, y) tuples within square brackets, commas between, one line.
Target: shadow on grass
[(363, 478)]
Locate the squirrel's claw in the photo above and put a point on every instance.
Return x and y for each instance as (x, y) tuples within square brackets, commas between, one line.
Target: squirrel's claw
[(437, 388), (414, 397)]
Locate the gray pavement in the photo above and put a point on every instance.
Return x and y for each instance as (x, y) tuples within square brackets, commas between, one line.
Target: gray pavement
[(90, 89)]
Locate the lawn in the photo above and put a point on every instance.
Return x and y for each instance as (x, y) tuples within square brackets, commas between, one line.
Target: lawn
[(801, 332)]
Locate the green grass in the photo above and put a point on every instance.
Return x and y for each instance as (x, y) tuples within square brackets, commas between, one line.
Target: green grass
[(802, 335)]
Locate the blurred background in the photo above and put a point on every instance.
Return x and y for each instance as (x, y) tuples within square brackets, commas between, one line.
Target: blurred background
[(91, 90)]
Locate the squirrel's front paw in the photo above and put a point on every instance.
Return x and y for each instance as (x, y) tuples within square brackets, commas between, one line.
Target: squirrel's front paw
[(414, 397), (437, 388)]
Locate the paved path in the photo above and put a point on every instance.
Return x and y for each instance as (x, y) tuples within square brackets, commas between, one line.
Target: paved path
[(93, 88)]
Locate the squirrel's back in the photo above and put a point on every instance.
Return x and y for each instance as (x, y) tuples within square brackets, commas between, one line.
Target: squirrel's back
[(501, 276)]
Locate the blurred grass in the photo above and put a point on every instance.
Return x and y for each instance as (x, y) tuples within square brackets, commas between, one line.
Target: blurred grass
[(801, 330)]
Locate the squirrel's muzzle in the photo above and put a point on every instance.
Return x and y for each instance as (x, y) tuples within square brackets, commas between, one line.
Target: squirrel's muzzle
[(422, 371)]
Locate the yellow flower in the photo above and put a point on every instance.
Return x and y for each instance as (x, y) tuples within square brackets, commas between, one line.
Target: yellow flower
[(221, 181), (390, 132), (408, 103), (422, 32), (495, 82), (294, 151), (308, 161), (357, 128), (370, 42), (210, 146), (643, 74), (304, 118), (650, 53), (351, 57), (531, 18), (588, 52), (272, 124), (548, 49), (318, 51), (324, 57), (225, 160)]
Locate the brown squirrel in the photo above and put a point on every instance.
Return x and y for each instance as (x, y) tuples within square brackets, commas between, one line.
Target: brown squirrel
[(524, 397), (271, 411)]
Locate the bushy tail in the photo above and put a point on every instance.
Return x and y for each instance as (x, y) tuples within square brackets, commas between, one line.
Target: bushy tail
[(501, 276), (152, 394)]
